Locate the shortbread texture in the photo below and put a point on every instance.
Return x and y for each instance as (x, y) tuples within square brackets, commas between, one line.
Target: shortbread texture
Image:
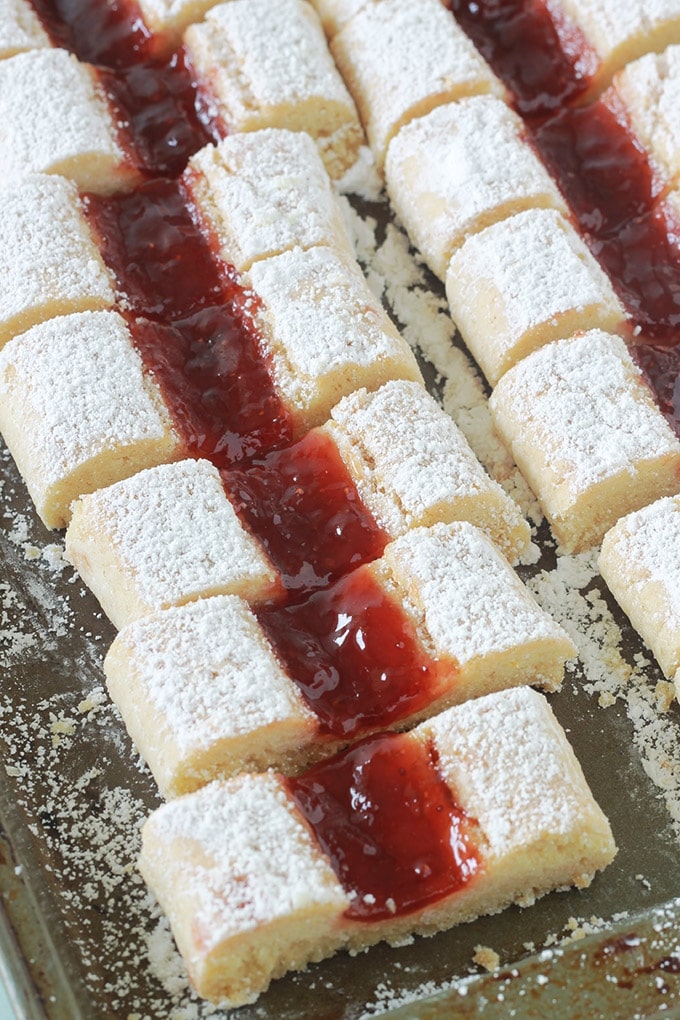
[(164, 537), (250, 895), (640, 561), (524, 282), (54, 119), (268, 65), (400, 60), (413, 467), (20, 28), (49, 262), (265, 192), (587, 435), (459, 169), (324, 331), (78, 412)]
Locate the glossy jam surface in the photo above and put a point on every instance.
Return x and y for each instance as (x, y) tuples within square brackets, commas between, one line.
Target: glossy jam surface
[(156, 102), (354, 655), (394, 834), (304, 507), (543, 62)]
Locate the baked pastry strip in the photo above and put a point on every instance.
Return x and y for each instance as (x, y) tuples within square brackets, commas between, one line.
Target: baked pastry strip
[(210, 688), (128, 540), (400, 60), (268, 65), (524, 282), (49, 262), (587, 435), (54, 118), (459, 169), (649, 90), (619, 36), (251, 893), (640, 561), (20, 28), (264, 192), (78, 411)]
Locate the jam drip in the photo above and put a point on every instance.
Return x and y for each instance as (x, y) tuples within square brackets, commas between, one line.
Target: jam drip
[(354, 655), (155, 100), (384, 816), (305, 509), (201, 344)]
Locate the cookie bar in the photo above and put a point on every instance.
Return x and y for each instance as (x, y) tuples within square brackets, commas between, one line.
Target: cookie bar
[(620, 36), (257, 877), (20, 28), (649, 89), (586, 434), (523, 282), (55, 119), (459, 169), (207, 692), (640, 561), (336, 13), (268, 65), (164, 536), (325, 331), (413, 467), (400, 60), (77, 410), (264, 192), (49, 262)]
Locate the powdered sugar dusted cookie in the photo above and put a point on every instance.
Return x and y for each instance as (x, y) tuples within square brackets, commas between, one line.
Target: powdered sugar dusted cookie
[(265, 192), (649, 89), (585, 432), (620, 34), (208, 691), (326, 333), (54, 118), (49, 262), (640, 561), (163, 537), (20, 28), (413, 466), (523, 282), (77, 410), (268, 65), (257, 876), (459, 169), (400, 60)]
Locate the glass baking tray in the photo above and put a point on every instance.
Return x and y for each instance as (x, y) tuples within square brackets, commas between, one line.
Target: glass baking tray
[(81, 937)]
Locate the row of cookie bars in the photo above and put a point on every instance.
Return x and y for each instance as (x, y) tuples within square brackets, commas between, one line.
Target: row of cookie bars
[(562, 837)]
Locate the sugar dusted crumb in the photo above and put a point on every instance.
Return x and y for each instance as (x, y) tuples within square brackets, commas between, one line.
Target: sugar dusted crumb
[(487, 958), (664, 693)]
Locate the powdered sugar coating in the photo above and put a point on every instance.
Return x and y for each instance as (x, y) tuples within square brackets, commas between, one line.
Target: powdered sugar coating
[(54, 119), (49, 263), (20, 28), (73, 389), (336, 13), (264, 192), (472, 602), (528, 271), (328, 333), (176, 534), (649, 89), (412, 464), (460, 168), (401, 59)]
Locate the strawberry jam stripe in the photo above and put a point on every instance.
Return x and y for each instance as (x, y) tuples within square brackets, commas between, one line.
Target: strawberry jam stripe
[(156, 103), (390, 826), (601, 169), (354, 655)]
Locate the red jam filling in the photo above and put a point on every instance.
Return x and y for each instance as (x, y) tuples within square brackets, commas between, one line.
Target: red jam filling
[(354, 655), (396, 838), (155, 100), (304, 507)]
